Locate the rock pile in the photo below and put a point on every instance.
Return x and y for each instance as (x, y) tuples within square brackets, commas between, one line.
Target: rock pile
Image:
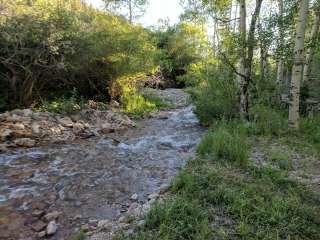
[(26, 128)]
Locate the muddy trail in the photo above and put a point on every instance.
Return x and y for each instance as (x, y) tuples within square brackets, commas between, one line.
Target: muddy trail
[(83, 182)]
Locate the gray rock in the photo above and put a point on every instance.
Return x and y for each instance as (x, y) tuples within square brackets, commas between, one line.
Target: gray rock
[(52, 228)]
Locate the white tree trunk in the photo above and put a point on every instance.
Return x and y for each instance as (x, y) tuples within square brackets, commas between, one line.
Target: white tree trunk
[(311, 49), (298, 65), (280, 68), (243, 55)]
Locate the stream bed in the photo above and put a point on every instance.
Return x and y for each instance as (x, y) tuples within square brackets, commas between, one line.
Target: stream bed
[(93, 179)]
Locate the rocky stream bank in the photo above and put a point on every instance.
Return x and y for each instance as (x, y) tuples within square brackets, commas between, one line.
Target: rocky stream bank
[(96, 172)]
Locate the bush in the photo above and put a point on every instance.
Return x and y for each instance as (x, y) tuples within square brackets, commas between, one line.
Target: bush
[(217, 97), (52, 46), (225, 143)]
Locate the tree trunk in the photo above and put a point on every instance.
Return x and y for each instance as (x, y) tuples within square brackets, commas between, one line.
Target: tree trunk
[(246, 55), (298, 65), (243, 84), (130, 11), (311, 49), (280, 67)]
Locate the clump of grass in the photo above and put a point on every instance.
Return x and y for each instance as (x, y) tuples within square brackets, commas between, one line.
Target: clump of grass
[(281, 158), (138, 105), (310, 130), (227, 142), (267, 122), (178, 218)]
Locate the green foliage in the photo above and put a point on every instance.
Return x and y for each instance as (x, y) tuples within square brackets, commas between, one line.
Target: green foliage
[(62, 105), (177, 219), (217, 96), (310, 129), (282, 159), (52, 46), (267, 121), (227, 142), (179, 47)]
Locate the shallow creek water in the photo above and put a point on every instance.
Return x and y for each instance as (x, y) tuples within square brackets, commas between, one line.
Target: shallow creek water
[(93, 179)]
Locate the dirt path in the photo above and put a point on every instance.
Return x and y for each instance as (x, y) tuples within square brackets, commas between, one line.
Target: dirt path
[(90, 184)]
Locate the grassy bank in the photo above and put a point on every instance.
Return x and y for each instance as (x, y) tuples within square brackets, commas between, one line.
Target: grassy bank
[(223, 195)]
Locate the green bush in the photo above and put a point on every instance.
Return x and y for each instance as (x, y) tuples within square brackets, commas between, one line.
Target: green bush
[(225, 143), (51, 46), (217, 97)]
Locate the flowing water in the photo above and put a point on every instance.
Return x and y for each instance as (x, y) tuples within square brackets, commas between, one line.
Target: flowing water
[(94, 179)]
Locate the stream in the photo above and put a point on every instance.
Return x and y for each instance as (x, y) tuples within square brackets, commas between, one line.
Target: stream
[(93, 179)]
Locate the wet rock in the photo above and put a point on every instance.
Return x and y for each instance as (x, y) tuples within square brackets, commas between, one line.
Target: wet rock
[(38, 226), (134, 197), (52, 216), (25, 142), (52, 228)]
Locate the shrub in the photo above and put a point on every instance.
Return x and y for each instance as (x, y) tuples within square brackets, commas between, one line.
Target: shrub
[(217, 97), (51, 46)]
